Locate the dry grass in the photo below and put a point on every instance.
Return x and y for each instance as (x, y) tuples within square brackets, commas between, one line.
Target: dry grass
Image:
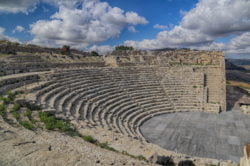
[(246, 66), (239, 84)]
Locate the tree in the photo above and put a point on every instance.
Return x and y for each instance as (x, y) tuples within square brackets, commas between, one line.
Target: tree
[(117, 48), (93, 53), (65, 50)]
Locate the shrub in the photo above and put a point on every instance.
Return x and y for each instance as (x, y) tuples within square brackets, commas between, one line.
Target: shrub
[(89, 138), (194, 86), (93, 53), (65, 50), (27, 125)]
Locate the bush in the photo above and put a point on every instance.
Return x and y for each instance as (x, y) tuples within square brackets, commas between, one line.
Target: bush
[(65, 50), (93, 53), (194, 86), (89, 138), (27, 125)]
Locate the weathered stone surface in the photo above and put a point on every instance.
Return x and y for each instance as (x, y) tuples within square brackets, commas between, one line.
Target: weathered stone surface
[(200, 134), (21, 147)]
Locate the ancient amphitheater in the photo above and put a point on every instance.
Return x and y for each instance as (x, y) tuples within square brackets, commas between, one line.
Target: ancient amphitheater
[(144, 103)]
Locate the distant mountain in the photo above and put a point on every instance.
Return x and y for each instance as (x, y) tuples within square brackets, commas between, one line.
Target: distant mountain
[(239, 61), (232, 66)]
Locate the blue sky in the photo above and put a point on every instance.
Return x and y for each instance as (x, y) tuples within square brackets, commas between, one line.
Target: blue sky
[(101, 24)]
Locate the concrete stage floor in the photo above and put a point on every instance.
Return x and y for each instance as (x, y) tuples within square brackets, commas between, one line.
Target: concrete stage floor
[(200, 134)]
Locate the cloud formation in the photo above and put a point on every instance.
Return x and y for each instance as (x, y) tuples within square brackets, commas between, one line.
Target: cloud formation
[(15, 6), (158, 26), (201, 26), (4, 37), (18, 29), (102, 49), (92, 22), (218, 17)]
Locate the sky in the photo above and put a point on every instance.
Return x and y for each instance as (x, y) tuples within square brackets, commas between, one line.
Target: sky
[(101, 25)]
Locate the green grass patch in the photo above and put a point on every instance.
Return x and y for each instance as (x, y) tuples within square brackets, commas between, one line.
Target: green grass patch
[(51, 123), (27, 125), (16, 115), (16, 107), (28, 113), (3, 110), (6, 100), (140, 157), (19, 92), (106, 146), (89, 138), (11, 95)]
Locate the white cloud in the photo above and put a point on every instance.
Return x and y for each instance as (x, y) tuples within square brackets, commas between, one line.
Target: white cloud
[(102, 49), (4, 37), (15, 6), (177, 37), (93, 22), (218, 17), (239, 44), (158, 26), (132, 29), (18, 29), (201, 26)]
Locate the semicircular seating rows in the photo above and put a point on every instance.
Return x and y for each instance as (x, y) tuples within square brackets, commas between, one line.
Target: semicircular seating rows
[(121, 99)]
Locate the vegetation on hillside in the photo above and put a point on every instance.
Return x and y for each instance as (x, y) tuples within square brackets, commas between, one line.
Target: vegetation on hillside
[(65, 50), (94, 53), (118, 48), (25, 116)]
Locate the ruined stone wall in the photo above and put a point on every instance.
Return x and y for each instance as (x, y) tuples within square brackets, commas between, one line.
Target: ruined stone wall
[(210, 63), (12, 48)]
